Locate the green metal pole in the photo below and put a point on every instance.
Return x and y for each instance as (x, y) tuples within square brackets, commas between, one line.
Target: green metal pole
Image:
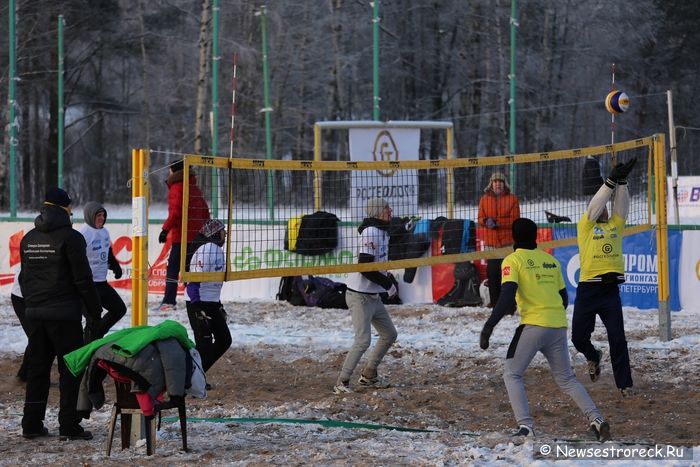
[(61, 109), (267, 110), (511, 136), (375, 60), (215, 58), (12, 103)]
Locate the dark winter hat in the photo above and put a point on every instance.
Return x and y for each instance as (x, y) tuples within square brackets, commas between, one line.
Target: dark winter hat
[(57, 196), (524, 234), (177, 165), (90, 212), (212, 227), (375, 207)]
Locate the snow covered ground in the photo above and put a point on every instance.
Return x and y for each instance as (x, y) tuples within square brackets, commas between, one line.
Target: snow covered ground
[(280, 332)]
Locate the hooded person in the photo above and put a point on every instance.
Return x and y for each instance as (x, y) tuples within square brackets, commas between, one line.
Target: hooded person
[(498, 208), (203, 299), (55, 282), (364, 300), (534, 280), (101, 258)]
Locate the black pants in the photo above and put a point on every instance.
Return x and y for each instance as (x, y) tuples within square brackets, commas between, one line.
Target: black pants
[(603, 300), (48, 340), (18, 306), (113, 303), (493, 274), (172, 275), (211, 333)]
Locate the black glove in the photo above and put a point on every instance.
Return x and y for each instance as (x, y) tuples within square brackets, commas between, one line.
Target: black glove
[(490, 222), (485, 335), (163, 236), (117, 270), (620, 172)]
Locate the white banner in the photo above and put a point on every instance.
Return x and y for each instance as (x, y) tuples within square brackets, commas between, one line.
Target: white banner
[(377, 144), (688, 200), (689, 271)]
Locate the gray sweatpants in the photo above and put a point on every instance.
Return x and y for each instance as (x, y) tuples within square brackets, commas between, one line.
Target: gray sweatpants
[(552, 342), (367, 310)]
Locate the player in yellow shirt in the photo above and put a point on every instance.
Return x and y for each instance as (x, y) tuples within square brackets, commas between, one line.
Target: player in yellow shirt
[(533, 279), (602, 270)]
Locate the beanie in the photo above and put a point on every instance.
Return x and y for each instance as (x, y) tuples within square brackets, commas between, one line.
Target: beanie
[(212, 227), (177, 165), (524, 234), (57, 196), (375, 207)]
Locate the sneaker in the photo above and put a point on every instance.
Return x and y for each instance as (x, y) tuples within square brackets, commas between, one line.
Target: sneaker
[(208, 386), (343, 387), (375, 382), (594, 367), (525, 431), (83, 435), (601, 429), (166, 307), (628, 392), (43, 432)]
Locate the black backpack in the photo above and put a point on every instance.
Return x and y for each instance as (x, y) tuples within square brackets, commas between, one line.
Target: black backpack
[(465, 291), (291, 289)]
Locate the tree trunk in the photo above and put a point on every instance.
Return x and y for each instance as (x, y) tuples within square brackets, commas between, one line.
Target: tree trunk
[(202, 79)]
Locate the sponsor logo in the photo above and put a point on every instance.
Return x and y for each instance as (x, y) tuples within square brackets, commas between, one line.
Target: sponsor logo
[(530, 263), (385, 150), (607, 248), (549, 265), (506, 271)]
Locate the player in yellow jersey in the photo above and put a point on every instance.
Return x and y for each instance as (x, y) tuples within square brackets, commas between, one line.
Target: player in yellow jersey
[(533, 279), (602, 270)]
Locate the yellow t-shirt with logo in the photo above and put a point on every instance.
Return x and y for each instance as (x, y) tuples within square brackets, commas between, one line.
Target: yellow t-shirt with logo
[(600, 246), (539, 279)]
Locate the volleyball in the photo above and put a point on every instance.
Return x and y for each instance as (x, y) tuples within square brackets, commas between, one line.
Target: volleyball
[(617, 102)]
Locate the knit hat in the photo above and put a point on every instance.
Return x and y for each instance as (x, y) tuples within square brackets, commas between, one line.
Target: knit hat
[(57, 196), (177, 165), (212, 227), (524, 234), (497, 176), (375, 207)]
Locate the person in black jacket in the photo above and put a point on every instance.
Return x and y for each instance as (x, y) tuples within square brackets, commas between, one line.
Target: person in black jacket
[(54, 280)]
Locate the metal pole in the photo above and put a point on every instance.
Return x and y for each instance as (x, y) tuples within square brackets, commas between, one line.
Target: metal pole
[(266, 110), (12, 103), (674, 161), (511, 136), (61, 109), (215, 104), (375, 60)]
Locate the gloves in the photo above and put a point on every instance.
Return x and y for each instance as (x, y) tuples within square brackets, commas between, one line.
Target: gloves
[(620, 172), (485, 336), (163, 236), (412, 223), (117, 270), (392, 291), (490, 222)]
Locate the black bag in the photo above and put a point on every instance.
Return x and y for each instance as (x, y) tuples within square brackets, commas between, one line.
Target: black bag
[(465, 291), (291, 289), (318, 234)]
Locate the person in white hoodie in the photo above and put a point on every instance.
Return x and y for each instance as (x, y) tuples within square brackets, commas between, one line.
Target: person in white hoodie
[(203, 299), (101, 258)]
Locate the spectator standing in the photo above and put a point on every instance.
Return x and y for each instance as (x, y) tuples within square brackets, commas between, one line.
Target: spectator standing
[(498, 208), (197, 215), (533, 279), (101, 258), (203, 299), (56, 281), (365, 303), (599, 240)]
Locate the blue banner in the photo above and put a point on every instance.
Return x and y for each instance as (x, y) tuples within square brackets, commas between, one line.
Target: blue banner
[(640, 289)]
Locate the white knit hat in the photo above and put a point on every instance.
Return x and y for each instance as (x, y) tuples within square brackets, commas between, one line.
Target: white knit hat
[(375, 207)]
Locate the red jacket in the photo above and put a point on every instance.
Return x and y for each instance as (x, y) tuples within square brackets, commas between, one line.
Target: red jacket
[(197, 212), (504, 209)]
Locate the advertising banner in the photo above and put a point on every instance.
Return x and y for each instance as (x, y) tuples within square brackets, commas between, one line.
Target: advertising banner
[(688, 200), (399, 189)]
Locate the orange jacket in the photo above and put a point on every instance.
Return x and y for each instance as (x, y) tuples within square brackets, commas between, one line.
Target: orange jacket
[(504, 209), (197, 213)]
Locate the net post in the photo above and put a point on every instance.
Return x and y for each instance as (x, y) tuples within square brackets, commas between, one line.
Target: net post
[(185, 212), (662, 238), (139, 225), (317, 173), (450, 174)]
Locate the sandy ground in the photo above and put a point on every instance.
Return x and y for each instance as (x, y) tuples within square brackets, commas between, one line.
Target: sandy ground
[(462, 397)]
